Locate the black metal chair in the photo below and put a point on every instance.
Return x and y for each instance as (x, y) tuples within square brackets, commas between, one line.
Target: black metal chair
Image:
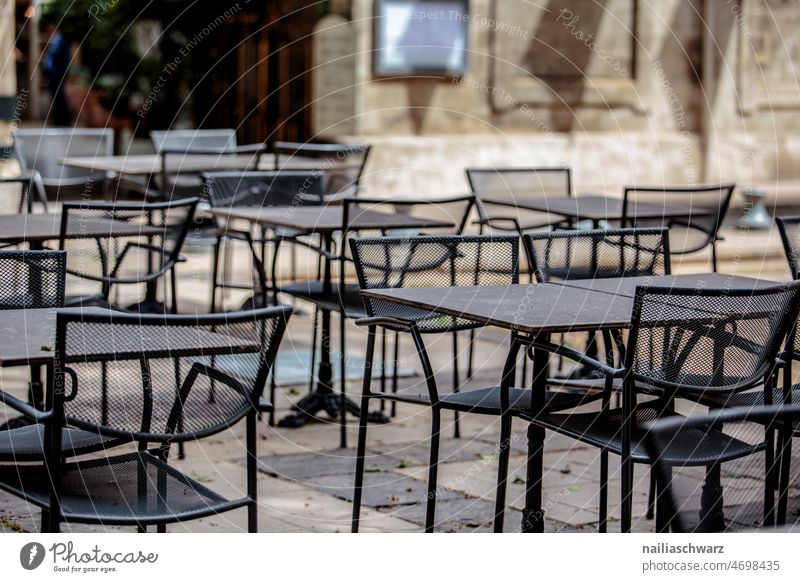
[(184, 144), (143, 245), (18, 194), (42, 150), (258, 189), (705, 206), (682, 343), (597, 254), (35, 280), (343, 164), (437, 261), (509, 186), (343, 298), (747, 486), (154, 391)]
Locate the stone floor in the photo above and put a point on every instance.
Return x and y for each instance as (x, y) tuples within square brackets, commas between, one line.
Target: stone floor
[(305, 481)]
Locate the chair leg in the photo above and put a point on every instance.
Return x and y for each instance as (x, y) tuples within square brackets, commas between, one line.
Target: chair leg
[(651, 497), (383, 366), (343, 384), (603, 501), (456, 386), (785, 469), (161, 528), (252, 475), (395, 373), (314, 331), (433, 469), (502, 472), (173, 280), (361, 449), (770, 479)]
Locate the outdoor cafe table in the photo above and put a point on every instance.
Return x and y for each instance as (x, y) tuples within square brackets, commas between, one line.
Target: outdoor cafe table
[(596, 208), (537, 310), (325, 221), (36, 229), (151, 164)]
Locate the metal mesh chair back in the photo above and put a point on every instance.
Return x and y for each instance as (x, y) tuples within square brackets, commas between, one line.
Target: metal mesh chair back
[(510, 186), (789, 228), (32, 279), (597, 254), (432, 261), (705, 208), (16, 195), (43, 149), (742, 476), (138, 241), (706, 341), (186, 139), (262, 189), (163, 378), (343, 164), (446, 215)]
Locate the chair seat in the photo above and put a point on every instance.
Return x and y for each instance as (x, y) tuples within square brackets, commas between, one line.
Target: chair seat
[(487, 400), (26, 443), (751, 399), (130, 489), (688, 447)]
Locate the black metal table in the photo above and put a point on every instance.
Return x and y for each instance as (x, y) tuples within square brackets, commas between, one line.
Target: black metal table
[(595, 207), (538, 310), (325, 221), (37, 229)]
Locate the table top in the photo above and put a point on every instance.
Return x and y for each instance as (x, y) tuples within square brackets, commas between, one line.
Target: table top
[(627, 285), (531, 309), (595, 207), (29, 338), (148, 164), (322, 219), (42, 227), (550, 307)]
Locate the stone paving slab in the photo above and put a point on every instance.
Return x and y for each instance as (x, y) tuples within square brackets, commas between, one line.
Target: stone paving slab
[(382, 489)]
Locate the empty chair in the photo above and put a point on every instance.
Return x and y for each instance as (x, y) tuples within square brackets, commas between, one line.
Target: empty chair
[(35, 280), (183, 145), (450, 216), (343, 164), (431, 262), (42, 150), (682, 343), (257, 189), (690, 231), (142, 245), (18, 194), (147, 379), (746, 485), (502, 192), (598, 254)]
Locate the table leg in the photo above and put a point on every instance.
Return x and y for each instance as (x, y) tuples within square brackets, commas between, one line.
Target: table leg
[(533, 513), (323, 397)]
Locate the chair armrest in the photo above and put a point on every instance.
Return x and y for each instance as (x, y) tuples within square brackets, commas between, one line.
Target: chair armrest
[(95, 178), (580, 357), (388, 321), (315, 248), (264, 405), (24, 407)]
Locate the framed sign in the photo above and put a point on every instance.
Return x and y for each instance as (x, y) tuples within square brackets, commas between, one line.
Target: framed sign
[(413, 37)]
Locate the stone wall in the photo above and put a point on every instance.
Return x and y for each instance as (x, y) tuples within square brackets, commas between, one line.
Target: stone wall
[(624, 91)]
